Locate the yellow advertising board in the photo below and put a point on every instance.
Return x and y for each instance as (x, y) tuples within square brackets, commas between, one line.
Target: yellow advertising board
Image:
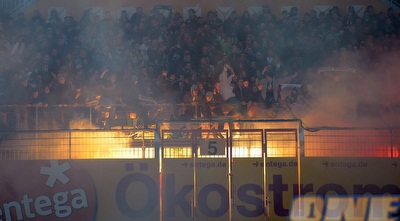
[(348, 189), (248, 187), (195, 188), (343, 176), (199, 189), (79, 190), (126, 190)]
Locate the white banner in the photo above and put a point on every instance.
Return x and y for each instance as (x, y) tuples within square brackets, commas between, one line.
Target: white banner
[(359, 9), (322, 8), (224, 12), (254, 10), (196, 8)]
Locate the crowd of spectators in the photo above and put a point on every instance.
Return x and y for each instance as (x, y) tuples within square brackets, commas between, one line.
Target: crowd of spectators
[(113, 64)]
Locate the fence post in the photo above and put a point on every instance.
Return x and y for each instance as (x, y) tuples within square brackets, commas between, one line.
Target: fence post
[(391, 144), (69, 144)]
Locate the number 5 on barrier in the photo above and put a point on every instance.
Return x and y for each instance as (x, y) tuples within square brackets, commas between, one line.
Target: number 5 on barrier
[(212, 147)]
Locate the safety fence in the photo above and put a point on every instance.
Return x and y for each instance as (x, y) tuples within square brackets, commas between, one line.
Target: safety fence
[(197, 139), (113, 116), (97, 116), (197, 170), (352, 142), (77, 144)]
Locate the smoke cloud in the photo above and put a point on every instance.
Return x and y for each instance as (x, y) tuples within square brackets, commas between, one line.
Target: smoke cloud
[(366, 97)]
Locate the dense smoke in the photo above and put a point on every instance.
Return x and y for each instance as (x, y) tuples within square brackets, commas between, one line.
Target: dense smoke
[(366, 97)]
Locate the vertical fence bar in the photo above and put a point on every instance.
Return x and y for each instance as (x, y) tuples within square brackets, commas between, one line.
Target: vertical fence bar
[(300, 154), (391, 144), (265, 180), (36, 118), (69, 144), (194, 155), (230, 160)]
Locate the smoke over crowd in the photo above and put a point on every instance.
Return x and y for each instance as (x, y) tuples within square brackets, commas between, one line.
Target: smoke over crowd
[(366, 97), (337, 68)]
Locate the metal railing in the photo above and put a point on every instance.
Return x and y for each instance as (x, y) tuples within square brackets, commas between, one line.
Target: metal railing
[(56, 117), (77, 144), (184, 139), (356, 142)]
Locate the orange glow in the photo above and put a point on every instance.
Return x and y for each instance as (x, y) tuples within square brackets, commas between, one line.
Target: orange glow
[(132, 115)]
